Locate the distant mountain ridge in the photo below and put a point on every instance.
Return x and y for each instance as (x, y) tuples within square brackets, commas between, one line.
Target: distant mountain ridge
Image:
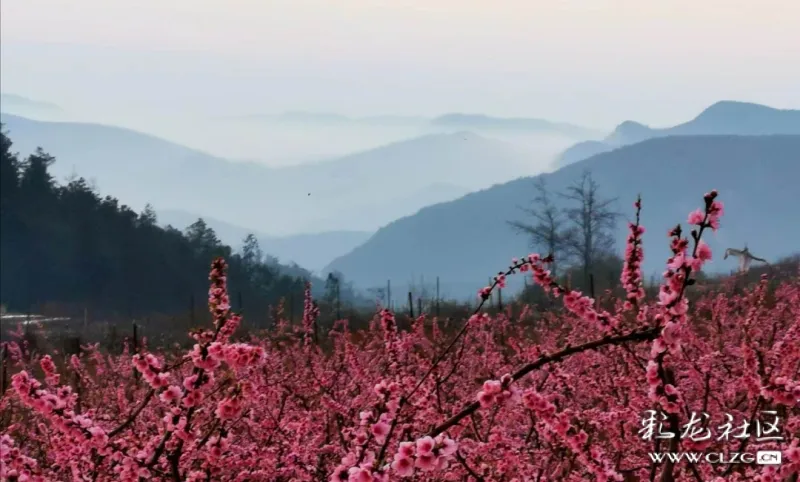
[(454, 120), (473, 121), (293, 137), (330, 118), (721, 118), (358, 192), (36, 109), (437, 156), (467, 240), (11, 101)]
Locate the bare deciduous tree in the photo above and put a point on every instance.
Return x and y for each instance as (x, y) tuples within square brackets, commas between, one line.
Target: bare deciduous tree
[(592, 219), (547, 231)]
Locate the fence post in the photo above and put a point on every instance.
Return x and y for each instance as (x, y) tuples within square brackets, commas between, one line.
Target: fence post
[(76, 376), (241, 310), (135, 350), (191, 311), (338, 300), (316, 326), (500, 298), (591, 286), (410, 305), (28, 322), (389, 294), (3, 373), (437, 296), (491, 294)]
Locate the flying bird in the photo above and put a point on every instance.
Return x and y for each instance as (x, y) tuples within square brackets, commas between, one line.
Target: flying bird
[(745, 258)]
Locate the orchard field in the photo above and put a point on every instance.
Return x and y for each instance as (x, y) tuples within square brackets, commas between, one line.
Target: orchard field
[(588, 391)]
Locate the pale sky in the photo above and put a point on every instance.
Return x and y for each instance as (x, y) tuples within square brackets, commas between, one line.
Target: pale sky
[(591, 62)]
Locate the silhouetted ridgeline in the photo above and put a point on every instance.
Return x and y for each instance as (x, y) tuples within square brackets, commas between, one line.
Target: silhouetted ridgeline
[(63, 244)]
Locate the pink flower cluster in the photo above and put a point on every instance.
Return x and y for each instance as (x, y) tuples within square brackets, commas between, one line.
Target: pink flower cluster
[(498, 392), (674, 305), (236, 355), (583, 306), (49, 369), (427, 454), (631, 278), (783, 391), (229, 408), (708, 218), (16, 465), (58, 408), (150, 368), (576, 440), (219, 303)]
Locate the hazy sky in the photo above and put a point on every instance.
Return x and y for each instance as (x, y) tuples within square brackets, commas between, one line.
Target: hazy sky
[(595, 62)]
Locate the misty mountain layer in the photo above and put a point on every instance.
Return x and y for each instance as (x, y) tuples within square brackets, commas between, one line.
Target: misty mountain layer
[(359, 192)]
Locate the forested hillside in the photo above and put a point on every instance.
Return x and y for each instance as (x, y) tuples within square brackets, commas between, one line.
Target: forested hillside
[(65, 245)]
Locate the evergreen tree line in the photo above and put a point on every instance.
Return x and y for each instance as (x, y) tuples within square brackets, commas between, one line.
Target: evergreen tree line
[(67, 245)]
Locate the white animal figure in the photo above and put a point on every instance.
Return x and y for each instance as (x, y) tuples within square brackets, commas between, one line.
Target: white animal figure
[(745, 258)]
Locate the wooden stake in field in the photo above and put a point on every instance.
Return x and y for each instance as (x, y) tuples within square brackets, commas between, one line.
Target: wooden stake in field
[(3, 373), (491, 294), (135, 350), (437, 296), (241, 310), (499, 298), (76, 377), (338, 301), (316, 326), (191, 311)]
